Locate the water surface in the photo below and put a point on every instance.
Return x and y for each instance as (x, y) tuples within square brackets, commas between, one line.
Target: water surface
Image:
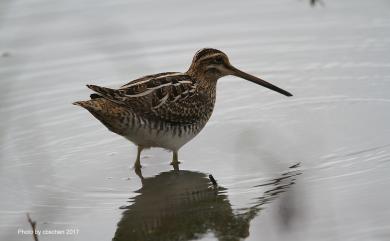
[(63, 167)]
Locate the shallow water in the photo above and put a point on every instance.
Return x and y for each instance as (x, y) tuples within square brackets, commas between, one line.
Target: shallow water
[(64, 168)]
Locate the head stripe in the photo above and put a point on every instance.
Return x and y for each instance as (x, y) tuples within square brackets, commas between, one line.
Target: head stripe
[(205, 52)]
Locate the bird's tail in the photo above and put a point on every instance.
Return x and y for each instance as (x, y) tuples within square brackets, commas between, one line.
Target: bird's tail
[(83, 104), (107, 112)]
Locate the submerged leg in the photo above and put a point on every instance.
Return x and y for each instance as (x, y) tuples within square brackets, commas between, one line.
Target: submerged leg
[(137, 163), (175, 160)]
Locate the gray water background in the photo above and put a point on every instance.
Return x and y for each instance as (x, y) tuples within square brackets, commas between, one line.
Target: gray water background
[(63, 167)]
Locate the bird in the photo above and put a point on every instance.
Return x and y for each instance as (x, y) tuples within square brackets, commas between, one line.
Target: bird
[(166, 110)]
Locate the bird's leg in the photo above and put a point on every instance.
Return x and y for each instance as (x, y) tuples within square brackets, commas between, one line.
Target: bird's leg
[(175, 160), (137, 163), (138, 171)]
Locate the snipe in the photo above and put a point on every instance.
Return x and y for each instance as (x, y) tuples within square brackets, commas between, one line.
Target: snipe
[(167, 109)]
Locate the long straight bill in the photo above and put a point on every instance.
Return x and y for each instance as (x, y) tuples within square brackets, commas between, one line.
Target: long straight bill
[(258, 81)]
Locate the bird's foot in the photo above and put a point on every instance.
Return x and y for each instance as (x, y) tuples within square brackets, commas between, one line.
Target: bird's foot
[(174, 163)]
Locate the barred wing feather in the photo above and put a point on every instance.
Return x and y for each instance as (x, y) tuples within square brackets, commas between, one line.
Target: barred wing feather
[(152, 94)]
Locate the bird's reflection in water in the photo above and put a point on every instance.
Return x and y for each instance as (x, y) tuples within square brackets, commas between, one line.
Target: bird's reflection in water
[(185, 205)]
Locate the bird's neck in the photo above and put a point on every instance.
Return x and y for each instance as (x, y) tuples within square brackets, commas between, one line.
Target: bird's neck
[(205, 83), (207, 86)]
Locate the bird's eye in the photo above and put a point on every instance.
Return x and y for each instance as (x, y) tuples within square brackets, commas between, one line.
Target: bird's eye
[(218, 60)]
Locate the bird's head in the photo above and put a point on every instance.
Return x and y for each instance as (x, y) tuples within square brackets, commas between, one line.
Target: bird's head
[(211, 64)]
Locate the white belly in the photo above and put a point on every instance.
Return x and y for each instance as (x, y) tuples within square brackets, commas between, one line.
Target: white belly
[(169, 137)]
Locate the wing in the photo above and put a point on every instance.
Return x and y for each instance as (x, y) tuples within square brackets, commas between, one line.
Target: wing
[(161, 96), (160, 88), (148, 77)]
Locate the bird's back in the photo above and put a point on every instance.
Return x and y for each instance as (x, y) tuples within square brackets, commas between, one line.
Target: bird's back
[(170, 97)]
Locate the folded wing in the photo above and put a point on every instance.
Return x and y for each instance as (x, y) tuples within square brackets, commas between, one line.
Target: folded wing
[(155, 96)]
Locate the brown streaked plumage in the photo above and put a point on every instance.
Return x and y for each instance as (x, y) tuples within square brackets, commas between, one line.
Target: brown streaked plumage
[(167, 109)]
